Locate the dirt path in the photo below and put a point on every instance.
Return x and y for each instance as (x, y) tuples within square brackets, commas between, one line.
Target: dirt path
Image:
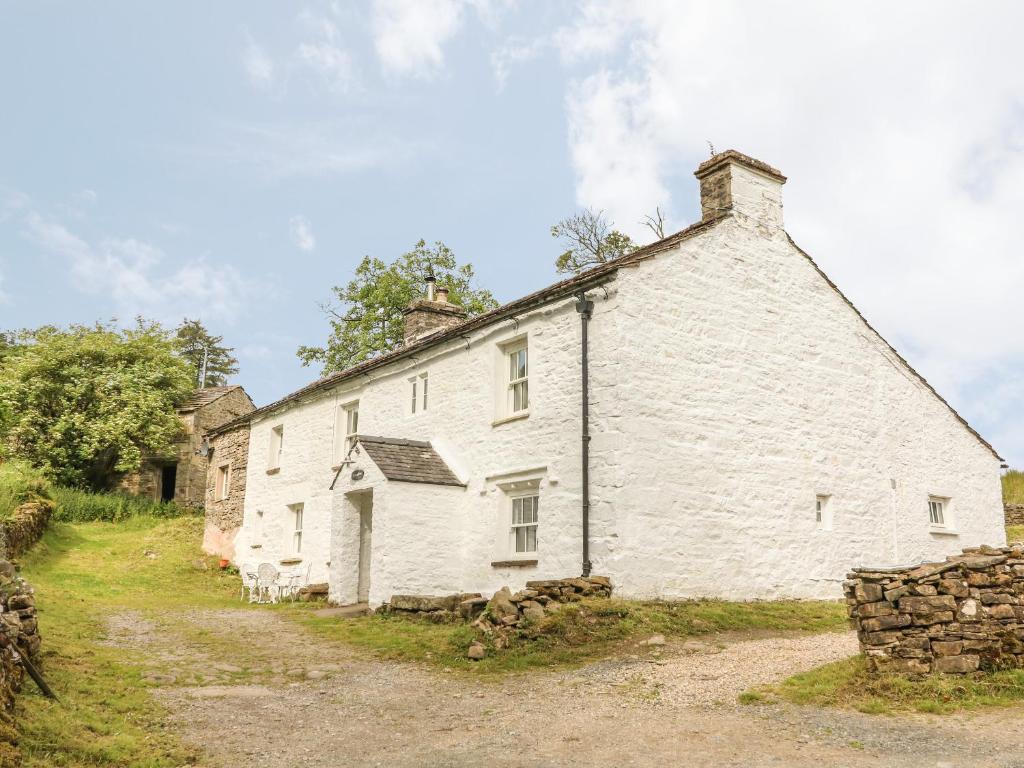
[(298, 700)]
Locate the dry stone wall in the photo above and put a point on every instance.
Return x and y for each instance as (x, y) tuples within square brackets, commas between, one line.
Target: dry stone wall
[(1013, 514), (19, 636), (957, 616), (24, 528)]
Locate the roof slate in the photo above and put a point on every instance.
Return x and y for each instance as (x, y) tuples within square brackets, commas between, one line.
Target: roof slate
[(203, 397), (409, 461)]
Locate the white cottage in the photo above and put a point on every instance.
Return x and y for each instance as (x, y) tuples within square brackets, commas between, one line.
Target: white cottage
[(749, 434)]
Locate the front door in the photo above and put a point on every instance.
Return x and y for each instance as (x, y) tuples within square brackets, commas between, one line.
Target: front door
[(365, 534)]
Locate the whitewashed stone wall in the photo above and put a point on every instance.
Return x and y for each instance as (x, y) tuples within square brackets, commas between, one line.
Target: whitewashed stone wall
[(731, 385)]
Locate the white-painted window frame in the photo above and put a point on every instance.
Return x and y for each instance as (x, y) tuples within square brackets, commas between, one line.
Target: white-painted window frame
[(518, 507), (823, 511), (276, 447), (297, 512), (941, 517), (517, 381), (222, 489), (346, 427)]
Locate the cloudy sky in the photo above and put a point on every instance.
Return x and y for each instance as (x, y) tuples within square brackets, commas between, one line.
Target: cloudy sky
[(231, 161)]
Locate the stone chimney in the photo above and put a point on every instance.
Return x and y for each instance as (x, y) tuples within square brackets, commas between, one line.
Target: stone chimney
[(731, 181), (431, 314)]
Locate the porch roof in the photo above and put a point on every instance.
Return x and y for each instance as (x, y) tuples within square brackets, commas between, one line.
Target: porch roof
[(408, 461)]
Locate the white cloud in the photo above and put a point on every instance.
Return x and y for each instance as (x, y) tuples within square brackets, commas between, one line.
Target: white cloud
[(258, 65), (512, 53), (323, 54), (903, 142), (135, 275), (410, 35), (301, 233)]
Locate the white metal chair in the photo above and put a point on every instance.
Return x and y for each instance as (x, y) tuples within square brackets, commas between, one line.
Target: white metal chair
[(248, 574), (267, 584), (295, 580)]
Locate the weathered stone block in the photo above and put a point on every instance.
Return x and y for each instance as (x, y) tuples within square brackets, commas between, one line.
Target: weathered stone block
[(881, 608), (927, 604), (867, 593), (885, 622), (957, 665), (947, 648), (954, 587)]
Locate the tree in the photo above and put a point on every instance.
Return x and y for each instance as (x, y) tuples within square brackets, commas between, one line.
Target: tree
[(86, 403), (211, 362), (589, 240), (367, 321)]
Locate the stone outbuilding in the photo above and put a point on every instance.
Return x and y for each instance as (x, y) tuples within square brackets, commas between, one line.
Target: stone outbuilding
[(182, 478)]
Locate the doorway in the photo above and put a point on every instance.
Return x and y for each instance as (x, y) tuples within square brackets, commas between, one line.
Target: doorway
[(168, 479), (365, 502)]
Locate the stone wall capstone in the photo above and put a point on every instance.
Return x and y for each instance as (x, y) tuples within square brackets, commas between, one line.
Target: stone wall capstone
[(24, 528), (1014, 514), (957, 616)]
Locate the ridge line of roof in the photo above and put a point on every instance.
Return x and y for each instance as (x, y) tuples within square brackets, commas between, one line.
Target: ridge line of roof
[(598, 274), (893, 349)]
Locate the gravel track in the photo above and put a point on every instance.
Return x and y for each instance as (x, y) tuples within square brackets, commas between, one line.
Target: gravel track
[(274, 696)]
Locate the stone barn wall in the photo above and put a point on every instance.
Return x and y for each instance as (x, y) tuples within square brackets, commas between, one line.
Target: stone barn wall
[(224, 513), (957, 616)]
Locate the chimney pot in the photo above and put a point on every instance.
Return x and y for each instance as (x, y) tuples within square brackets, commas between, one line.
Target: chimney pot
[(431, 282), (442, 295)]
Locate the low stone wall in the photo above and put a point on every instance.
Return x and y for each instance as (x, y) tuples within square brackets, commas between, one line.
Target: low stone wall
[(24, 528), (957, 616), (1014, 514), (19, 635)]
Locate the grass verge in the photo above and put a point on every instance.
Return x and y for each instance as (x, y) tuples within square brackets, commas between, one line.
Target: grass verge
[(848, 684), (1014, 533), (83, 573), (19, 483), (579, 633), (75, 506)]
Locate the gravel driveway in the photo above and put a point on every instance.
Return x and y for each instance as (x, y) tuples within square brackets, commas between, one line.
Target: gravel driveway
[(300, 700)]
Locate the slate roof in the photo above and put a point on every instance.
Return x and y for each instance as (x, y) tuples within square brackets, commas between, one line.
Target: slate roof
[(410, 461), (203, 397)]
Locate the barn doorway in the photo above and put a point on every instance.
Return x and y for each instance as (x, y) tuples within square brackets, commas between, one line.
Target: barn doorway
[(168, 479)]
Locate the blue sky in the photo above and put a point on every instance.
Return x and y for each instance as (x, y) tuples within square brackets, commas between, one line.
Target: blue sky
[(232, 161)]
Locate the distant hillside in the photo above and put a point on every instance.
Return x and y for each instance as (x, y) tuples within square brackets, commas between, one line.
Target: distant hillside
[(1013, 487)]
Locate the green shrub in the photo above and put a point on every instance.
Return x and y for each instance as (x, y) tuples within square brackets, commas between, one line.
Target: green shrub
[(19, 483), (1013, 487), (75, 506)]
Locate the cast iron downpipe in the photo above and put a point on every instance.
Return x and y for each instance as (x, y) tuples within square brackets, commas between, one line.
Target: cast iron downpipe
[(586, 308)]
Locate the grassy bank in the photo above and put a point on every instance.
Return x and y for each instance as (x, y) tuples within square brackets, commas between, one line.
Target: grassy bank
[(19, 483), (578, 633), (82, 574), (848, 684), (1013, 487)]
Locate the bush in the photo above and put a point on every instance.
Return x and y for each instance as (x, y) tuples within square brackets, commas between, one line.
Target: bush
[(75, 506), (19, 483)]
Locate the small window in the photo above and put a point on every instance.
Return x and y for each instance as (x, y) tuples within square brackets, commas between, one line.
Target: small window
[(223, 487), (418, 389), (823, 511), (351, 425), (524, 524), (423, 388), (518, 380), (346, 426), (297, 528), (937, 511), (415, 399), (276, 447)]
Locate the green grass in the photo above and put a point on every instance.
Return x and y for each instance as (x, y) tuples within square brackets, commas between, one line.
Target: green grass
[(1013, 486), (75, 506), (1014, 533), (580, 632), (848, 684), (82, 573), (19, 483)]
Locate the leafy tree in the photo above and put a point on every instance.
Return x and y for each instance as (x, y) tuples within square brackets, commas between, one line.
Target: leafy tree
[(198, 346), (86, 403), (590, 239), (367, 319)]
